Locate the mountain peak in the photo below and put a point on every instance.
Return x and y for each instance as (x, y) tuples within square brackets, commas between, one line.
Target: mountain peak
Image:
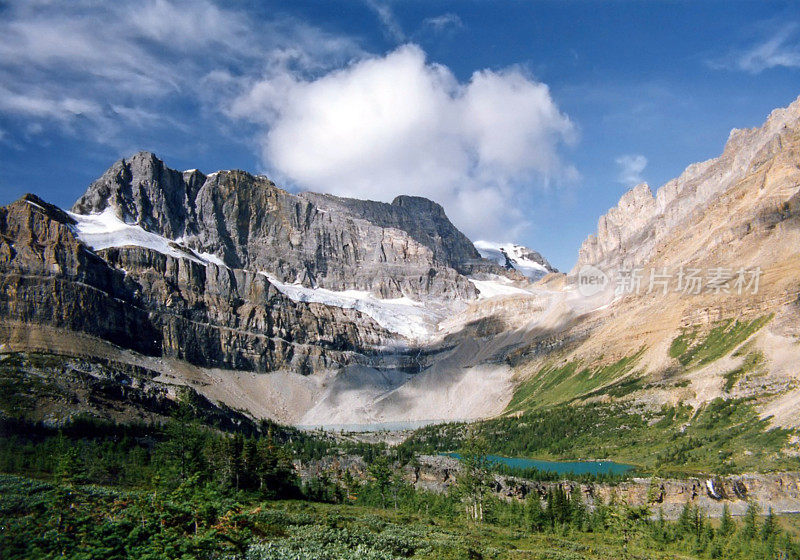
[(512, 256), (628, 232), (408, 247), (418, 203), (142, 191)]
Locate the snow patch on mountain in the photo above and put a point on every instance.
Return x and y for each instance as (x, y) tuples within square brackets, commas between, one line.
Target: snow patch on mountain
[(106, 230), (497, 286), (517, 257), (404, 316)]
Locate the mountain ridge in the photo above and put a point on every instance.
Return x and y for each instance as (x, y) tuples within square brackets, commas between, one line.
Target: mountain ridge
[(386, 312), (248, 222), (629, 230)]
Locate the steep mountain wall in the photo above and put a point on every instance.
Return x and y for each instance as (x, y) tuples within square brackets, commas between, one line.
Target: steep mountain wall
[(628, 234), (158, 304), (406, 248)]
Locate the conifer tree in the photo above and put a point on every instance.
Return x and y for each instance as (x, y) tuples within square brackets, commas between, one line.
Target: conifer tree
[(769, 528), (750, 520), (726, 526), (381, 472), (474, 479), (576, 507), (534, 514)]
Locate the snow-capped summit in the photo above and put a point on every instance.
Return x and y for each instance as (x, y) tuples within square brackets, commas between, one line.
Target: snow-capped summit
[(515, 257)]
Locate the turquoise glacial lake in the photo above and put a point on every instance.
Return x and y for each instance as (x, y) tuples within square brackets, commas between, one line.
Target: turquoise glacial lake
[(560, 467)]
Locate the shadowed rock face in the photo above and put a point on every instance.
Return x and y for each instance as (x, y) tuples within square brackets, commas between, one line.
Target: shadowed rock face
[(408, 247), (140, 299), (47, 276), (223, 311)]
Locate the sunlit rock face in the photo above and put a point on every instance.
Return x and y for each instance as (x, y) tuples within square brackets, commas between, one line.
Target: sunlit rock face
[(627, 235), (406, 248)]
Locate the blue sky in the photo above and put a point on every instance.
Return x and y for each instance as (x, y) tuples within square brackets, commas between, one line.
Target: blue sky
[(526, 120)]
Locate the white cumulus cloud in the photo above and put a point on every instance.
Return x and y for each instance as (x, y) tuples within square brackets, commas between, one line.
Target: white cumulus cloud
[(630, 169), (397, 124), (323, 115)]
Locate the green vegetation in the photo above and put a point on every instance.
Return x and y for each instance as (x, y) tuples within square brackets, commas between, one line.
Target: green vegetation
[(751, 363), (195, 520), (681, 343), (553, 384), (724, 436), (692, 351), (474, 479), (552, 415), (95, 489)]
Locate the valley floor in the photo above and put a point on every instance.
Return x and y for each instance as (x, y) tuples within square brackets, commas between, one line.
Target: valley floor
[(43, 520)]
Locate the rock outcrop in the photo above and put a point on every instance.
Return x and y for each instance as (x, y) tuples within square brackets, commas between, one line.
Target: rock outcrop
[(406, 248), (627, 235), (157, 304), (438, 473)]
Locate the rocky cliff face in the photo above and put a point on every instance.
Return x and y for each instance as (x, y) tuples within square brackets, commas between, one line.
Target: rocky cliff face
[(730, 219), (157, 304), (47, 276), (408, 247), (227, 270), (627, 235)]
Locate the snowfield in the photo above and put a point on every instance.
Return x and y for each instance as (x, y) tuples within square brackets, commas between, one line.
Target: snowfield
[(106, 230), (497, 287), (404, 316), (497, 252)]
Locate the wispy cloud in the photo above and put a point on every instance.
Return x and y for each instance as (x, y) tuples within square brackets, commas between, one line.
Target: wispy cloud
[(443, 22), (387, 18), (103, 69), (780, 47), (631, 167)]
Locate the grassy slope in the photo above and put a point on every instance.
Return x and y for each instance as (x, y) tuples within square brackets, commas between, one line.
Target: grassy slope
[(725, 436), (552, 419), (692, 351), (554, 385)]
